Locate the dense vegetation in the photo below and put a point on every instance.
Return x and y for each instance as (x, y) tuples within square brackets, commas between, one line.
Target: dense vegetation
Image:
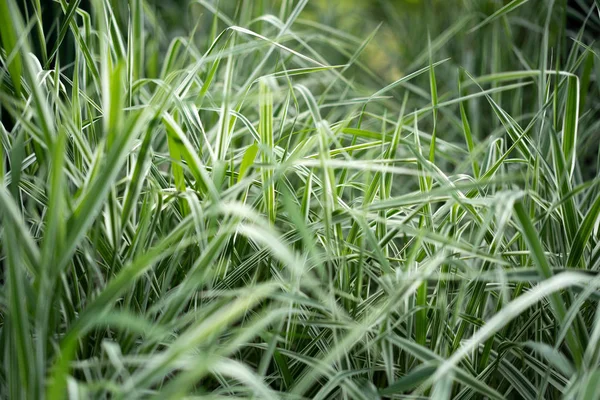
[(283, 199)]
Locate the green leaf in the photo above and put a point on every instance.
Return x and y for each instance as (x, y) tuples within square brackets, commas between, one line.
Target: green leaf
[(10, 20), (583, 235), (247, 160), (267, 144), (570, 123), (410, 381)]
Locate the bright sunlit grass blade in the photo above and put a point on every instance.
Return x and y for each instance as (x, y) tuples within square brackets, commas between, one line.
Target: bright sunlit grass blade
[(570, 122)]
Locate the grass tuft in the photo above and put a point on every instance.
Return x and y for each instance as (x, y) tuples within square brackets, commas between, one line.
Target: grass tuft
[(248, 199)]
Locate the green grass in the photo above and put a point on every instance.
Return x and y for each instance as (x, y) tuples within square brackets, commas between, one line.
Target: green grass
[(261, 209)]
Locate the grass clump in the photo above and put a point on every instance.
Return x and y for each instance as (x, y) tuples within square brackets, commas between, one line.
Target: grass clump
[(250, 210)]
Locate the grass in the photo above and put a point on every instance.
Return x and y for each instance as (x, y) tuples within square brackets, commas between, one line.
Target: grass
[(254, 209)]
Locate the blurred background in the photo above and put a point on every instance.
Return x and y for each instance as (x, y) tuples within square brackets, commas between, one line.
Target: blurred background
[(383, 40), (403, 27)]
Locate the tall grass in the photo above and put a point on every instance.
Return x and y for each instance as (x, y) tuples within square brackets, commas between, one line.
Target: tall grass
[(254, 210)]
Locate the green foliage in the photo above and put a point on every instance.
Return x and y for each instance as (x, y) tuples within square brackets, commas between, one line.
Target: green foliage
[(241, 199)]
